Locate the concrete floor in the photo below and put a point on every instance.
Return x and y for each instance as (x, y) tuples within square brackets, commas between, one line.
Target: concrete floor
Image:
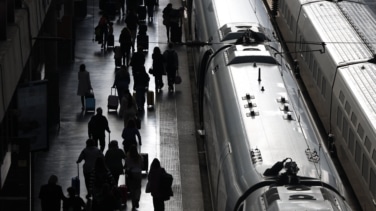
[(168, 131)]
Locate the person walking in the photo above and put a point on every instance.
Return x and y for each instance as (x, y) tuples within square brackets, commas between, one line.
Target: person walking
[(89, 155), (84, 84), (100, 181), (103, 30), (150, 4), (138, 60), (158, 69), (172, 65), (132, 24), (121, 82), (125, 40), (134, 164), (129, 135), (166, 19), (51, 195), (74, 202), (141, 84), (154, 185), (128, 107), (114, 159), (98, 124)]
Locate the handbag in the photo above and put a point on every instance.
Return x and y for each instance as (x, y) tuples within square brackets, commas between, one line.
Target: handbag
[(177, 78)]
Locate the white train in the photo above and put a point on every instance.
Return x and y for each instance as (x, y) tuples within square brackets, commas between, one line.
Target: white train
[(340, 80), (263, 149)]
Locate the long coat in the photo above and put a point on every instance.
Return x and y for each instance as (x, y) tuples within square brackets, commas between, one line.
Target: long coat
[(84, 83)]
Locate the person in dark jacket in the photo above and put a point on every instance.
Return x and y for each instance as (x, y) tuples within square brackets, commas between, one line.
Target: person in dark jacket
[(150, 5), (158, 68), (155, 185), (74, 202), (166, 19), (141, 84), (134, 165), (132, 24), (125, 40), (129, 135), (89, 155), (51, 195), (138, 60), (172, 65), (98, 124), (122, 80), (84, 84), (114, 157)]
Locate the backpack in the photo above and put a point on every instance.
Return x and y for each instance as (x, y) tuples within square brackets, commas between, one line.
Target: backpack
[(166, 186)]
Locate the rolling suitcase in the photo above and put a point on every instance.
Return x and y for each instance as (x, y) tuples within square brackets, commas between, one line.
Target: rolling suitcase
[(150, 100), (143, 40), (76, 181), (113, 100), (110, 40), (90, 101), (145, 157)]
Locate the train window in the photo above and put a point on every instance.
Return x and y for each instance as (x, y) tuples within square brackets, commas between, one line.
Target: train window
[(345, 128), (360, 131), (347, 107), (341, 97), (365, 168), (372, 183), (367, 143), (374, 156), (351, 141), (323, 87), (358, 153), (354, 119), (339, 118)]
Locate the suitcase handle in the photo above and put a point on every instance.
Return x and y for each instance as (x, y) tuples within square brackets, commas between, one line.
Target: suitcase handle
[(78, 170), (114, 89)]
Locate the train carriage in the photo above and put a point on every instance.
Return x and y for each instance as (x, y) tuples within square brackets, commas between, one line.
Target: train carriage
[(263, 149), (339, 79)]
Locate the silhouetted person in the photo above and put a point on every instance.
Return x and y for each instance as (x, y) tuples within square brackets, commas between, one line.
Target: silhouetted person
[(125, 40), (97, 126), (172, 65), (155, 185), (84, 84), (74, 202), (89, 155), (134, 165), (141, 84), (114, 159), (132, 23), (158, 68), (128, 107), (150, 6), (122, 80), (51, 195), (166, 19), (129, 135)]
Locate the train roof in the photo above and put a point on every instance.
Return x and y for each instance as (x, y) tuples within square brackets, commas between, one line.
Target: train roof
[(363, 20), (272, 134), (360, 78), (342, 42)]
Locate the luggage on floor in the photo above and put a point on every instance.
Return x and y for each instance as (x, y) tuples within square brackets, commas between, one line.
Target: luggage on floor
[(123, 190), (76, 181), (145, 157), (110, 40), (176, 33), (150, 99), (143, 40), (90, 101), (141, 12), (113, 100)]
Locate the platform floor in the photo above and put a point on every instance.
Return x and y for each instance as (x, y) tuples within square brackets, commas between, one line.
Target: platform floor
[(168, 131)]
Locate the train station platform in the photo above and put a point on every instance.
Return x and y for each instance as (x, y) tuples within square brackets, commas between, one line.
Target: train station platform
[(168, 131)]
